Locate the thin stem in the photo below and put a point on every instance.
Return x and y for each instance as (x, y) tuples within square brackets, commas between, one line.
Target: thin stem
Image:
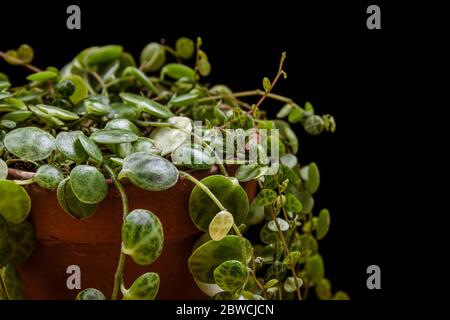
[(286, 253), (118, 277), (258, 283), (20, 62), (250, 93)]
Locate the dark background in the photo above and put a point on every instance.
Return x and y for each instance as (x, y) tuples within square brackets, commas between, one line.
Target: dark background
[(362, 77)]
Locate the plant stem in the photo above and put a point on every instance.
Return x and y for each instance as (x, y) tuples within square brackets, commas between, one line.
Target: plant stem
[(250, 93), (286, 253), (258, 283), (118, 278), (19, 62)]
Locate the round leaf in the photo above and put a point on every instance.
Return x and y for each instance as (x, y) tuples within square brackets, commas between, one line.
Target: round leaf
[(206, 258), (185, 47), (30, 143), (315, 268), (147, 145), (178, 71), (149, 172), (123, 124), (143, 288), (220, 225), (323, 289), (146, 105), (230, 275), (42, 76), (142, 236), (22, 239), (90, 294), (88, 184), (70, 203), (228, 191), (310, 174), (193, 157), (266, 197), (15, 203), (153, 57), (323, 224), (276, 271), (113, 136), (91, 148), (290, 285), (48, 177), (12, 282), (170, 138), (102, 54), (284, 226), (70, 147)]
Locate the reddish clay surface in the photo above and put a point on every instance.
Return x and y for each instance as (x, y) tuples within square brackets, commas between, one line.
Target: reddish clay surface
[(93, 244)]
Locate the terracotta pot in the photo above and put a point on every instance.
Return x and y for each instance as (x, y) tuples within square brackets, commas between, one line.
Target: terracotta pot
[(94, 244)]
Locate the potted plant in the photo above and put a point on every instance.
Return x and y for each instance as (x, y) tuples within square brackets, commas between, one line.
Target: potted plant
[(124, 174)]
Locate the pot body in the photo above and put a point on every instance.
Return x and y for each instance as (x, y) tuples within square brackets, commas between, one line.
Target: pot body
[(93, 245)]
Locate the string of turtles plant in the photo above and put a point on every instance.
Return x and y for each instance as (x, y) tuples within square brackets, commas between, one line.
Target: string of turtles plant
[(103, 117)]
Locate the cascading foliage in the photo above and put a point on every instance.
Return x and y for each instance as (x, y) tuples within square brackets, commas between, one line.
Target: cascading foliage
[(103, 116)]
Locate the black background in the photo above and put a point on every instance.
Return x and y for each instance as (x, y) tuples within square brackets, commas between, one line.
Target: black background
[(363, 77)]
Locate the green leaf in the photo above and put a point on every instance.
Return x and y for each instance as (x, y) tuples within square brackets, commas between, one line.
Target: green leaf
[(146, 105), (42, 76), (25, 53), (311, 175), (178, 71), (315, 268), (247, 172), (266, 84), (147, 145), (70, 146), (123, 124), (230, 275), (277, 270), (3, 170), (206, 258), (15, 203), (323, 224), (270, 283), (81, 88), (102, 54), (314, 125), (142, 236), (293, 204), (30, 143), (91, 148), (22, 239), (88, 184), (70, 203), (153, 57), (149, 172), (171, 138), (12, 282), (65, 87), (192, 156), (18, 116), (266, 197), (228, 191), (97, 105), (90, 294), (203, 65), (285, 110), (185, 48), (48, 177), (143, 288), (289, 160), (185, 99), (113, 136), (296, 115), (290, 284), (292, 258), (220, 225), (141, 77), (270, 235), (122, 111), (323, 289)]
